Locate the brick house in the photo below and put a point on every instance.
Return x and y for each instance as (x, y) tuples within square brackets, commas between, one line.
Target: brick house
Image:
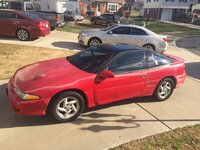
[(167, 9), (101, 6)]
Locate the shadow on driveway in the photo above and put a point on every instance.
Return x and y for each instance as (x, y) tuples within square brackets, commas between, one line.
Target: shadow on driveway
[(193, 70), (92, 119), (68, 45)]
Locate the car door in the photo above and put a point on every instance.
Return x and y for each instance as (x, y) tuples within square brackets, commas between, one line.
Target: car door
[(117, 35), (136, 37), (10, 23), (2, 25), (129, 80), (101, 19)]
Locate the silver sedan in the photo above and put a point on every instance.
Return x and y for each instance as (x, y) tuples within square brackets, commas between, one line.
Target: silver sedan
[(121, 33)]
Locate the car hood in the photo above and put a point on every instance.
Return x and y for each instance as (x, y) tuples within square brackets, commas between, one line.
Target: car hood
[(47, 73)]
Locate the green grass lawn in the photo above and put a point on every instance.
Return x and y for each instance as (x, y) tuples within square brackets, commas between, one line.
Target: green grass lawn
[(156, 26), (187, 138)]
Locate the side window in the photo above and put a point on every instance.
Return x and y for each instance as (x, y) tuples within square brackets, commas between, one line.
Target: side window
[(136, 31), (19, 17), (10, 15), (16, 5), (121, 30), (1, 15), (128, 62), (149, 59), (160, 60)]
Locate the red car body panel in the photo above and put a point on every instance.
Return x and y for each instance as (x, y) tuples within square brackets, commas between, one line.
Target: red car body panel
[(9, 27), (48, 78)]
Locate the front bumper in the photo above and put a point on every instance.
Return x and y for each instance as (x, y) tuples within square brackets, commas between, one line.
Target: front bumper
[(21, 107), (83, 40)]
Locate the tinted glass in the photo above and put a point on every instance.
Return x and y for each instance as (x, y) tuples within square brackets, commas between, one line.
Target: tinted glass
[(110, 17), (149, 59), (136, 31), (16, 5), (127, 63), (121, 30), (10, 15), (161, 60), (29, 6), (1, 15), (31, 16), (117, 17), (3, 5), (92, 59)]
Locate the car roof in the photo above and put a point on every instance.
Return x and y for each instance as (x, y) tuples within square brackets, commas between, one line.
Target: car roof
[(11, 10), (118, 48)]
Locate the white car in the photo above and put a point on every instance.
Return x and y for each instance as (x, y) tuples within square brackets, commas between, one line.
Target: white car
[(73, 16), (122, 33)]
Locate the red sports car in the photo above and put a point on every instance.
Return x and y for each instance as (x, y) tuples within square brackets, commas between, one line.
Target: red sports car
[(22, 25), (98, 75)]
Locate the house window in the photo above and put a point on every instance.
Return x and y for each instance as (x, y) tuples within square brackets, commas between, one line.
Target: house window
[(182, 1), (88, 7), (112, 7), (148, 1), (169, 0), (156, 0)]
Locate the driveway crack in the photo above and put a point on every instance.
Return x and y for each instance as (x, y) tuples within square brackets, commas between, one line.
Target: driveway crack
[(154, 116)]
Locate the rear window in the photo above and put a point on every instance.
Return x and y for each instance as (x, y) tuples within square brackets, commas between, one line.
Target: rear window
[(3, 5), (32, 17), (16, 6), (117, 17)]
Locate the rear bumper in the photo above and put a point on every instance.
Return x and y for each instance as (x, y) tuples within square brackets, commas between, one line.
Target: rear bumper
[(40, 33), (36, 107), (83, 40), (180, 80)]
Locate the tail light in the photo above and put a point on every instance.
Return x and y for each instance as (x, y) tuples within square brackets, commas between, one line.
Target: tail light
[(57, 18), (165, 39), (43, 24)]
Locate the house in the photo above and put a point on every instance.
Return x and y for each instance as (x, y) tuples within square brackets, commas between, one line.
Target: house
[(102, 7), (167, 9)]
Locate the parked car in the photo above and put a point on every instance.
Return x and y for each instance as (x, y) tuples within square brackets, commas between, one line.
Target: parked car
[(22, 25), (106, 19), (98, 75), (121, 33), (55, 19), (73, 16)]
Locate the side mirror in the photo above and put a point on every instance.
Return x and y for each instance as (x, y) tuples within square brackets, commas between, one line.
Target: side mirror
[(110, 32), (106, 74)]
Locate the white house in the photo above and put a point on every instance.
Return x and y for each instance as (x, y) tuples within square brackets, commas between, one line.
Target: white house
[(167, 9), (58, 6)]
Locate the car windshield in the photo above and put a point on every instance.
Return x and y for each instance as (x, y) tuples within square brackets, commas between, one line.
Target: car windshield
[(111, 27), (31, 16), (92, 59)]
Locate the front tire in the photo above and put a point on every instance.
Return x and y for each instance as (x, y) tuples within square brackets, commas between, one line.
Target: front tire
[(164, 89), (149, 47), (94, 41), (23, 35), (67, 106)]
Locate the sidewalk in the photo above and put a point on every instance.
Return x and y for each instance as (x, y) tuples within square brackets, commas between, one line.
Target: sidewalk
[(192, 26)]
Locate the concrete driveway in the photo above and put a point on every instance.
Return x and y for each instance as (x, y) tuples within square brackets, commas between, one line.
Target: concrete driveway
[(106, 126), (56, 40)]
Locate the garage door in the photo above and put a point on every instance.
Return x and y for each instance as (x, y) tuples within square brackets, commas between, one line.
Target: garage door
[(166, 14)]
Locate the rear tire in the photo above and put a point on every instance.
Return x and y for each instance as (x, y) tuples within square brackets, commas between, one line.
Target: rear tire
[(23, 35), (93, 22), (67, 106), (164, 89), (108, 24)]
